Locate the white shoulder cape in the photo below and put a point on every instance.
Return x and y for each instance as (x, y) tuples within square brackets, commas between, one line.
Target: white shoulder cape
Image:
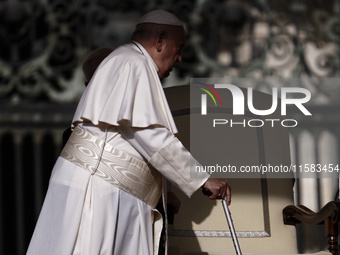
[(126, 88)]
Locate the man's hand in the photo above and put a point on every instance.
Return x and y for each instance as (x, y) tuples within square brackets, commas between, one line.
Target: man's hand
[(219, 189)]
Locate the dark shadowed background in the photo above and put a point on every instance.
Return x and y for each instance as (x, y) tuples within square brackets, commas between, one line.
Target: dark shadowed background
[(43, 44)]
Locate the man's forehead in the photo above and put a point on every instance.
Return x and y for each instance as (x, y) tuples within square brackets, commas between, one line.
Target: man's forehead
[(181, 37), (181, 43)]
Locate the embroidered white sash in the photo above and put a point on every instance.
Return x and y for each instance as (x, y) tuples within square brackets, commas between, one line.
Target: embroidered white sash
[(114, 166)]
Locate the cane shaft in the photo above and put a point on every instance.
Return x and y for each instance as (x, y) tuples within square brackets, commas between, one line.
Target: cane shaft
[(231, 227)]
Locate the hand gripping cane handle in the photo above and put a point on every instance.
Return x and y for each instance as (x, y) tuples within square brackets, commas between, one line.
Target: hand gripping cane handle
[(229, 220)]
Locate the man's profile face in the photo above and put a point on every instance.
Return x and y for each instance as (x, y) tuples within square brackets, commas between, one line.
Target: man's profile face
[(171, 53)]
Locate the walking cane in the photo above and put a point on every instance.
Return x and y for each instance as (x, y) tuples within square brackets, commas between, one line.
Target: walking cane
[(229, 220)]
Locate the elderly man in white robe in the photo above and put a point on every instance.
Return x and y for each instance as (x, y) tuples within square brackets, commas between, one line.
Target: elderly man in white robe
[(108, 179)]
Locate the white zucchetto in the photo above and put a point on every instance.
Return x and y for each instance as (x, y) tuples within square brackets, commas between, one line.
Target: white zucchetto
[(160, 17)]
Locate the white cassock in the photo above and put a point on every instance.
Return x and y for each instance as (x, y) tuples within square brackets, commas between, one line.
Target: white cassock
[(104, 186)]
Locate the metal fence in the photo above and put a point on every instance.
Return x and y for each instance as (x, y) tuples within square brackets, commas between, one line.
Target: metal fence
[(30, 142)]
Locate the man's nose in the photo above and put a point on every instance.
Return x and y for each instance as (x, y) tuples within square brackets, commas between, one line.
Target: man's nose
[(179, 59)]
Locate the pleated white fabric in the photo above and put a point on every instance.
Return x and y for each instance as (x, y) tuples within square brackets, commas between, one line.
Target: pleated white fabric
[(84, 215), (126, 88)]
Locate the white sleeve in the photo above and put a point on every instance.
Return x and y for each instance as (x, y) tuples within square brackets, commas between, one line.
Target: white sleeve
[(167, 154)]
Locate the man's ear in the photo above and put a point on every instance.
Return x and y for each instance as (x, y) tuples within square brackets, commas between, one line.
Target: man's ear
[(160, 37)]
